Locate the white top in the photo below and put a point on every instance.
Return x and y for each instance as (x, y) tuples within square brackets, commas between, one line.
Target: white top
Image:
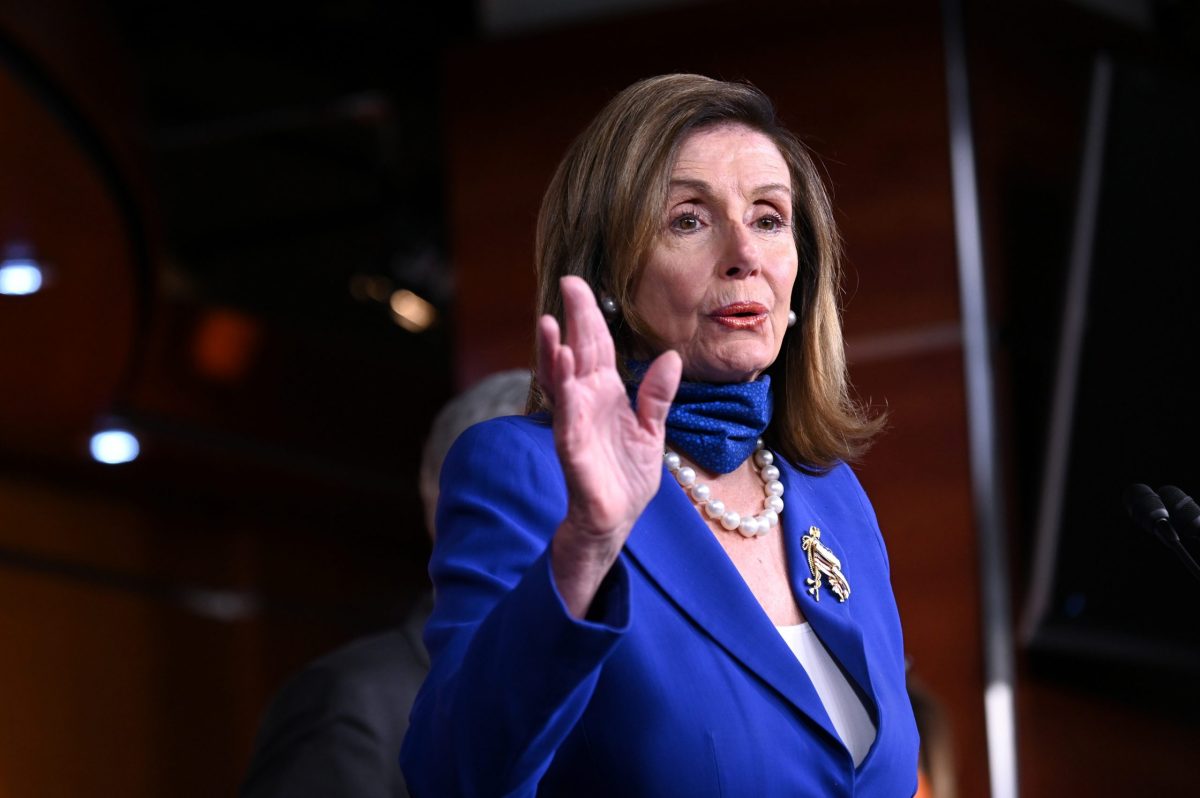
[(845, 708)]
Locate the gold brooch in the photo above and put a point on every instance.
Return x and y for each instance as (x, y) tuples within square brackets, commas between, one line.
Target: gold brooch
[(822, 562)]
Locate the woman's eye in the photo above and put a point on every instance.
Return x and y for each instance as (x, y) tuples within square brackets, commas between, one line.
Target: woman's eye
[(687, 222), (770, 223)]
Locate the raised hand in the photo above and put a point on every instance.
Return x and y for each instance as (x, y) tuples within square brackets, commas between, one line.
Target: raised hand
[(611, 455)]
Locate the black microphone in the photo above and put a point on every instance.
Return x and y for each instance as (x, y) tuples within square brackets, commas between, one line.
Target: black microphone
[(1147, 509), (1185, 513)]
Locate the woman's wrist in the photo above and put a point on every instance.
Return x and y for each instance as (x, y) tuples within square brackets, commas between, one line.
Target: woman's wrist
[(580, 558)]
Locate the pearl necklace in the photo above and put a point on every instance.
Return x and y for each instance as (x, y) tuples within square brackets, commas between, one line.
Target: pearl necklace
[(750, 525)]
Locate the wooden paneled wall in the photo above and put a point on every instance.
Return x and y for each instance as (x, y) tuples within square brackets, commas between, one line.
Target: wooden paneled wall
[(69, 348), (144, 636), (148, 613)]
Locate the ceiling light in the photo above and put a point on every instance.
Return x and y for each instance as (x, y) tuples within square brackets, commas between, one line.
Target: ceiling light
[(114, 446), (411, 311), (20, 276)]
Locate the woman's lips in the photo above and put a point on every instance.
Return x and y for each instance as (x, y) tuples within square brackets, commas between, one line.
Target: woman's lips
[(740, 315)]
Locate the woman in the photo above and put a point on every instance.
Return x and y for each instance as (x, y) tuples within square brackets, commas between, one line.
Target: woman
[(611, 620)]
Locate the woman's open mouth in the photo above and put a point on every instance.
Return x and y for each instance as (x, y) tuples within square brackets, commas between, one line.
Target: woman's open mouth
[(740, 315)]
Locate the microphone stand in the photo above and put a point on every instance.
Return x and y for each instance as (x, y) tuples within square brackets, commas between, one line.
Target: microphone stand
[(1170, 538), (1147, 509)]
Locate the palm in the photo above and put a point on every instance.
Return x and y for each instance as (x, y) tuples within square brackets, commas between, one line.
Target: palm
[(611, 454)]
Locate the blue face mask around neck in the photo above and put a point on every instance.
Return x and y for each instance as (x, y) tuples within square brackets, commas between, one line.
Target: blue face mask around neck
[(717, 425)]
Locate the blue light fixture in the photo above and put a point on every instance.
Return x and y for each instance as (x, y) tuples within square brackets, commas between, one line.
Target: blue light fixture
[(20, 276), (115, 446)]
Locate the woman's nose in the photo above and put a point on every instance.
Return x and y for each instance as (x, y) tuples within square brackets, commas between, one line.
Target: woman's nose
[(740, 257)]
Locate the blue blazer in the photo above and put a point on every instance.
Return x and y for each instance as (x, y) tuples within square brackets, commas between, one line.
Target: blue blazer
[(677, 683)]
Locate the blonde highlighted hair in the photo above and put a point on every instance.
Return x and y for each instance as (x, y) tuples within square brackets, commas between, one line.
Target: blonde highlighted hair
[(602, 212)]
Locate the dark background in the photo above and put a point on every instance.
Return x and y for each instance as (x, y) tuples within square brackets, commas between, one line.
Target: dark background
[(1118, 596)]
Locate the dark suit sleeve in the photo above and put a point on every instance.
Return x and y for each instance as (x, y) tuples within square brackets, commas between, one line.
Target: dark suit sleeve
[(512, 670), (334, 729)]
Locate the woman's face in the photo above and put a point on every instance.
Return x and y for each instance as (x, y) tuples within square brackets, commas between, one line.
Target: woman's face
[(717, 284)]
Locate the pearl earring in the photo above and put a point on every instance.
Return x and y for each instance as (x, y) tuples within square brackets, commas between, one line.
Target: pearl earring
[(609, 306), (791, 318)]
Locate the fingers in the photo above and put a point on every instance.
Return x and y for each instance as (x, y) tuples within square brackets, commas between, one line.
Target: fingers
[(587, 334), (658, 390), (566, 401), (549, 341)]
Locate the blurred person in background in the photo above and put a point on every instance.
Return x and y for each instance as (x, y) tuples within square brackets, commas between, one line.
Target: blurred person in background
[(335, 728)]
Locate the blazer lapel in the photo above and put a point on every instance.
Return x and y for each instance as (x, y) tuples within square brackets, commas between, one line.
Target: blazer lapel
[(833, 621), (676, 549)]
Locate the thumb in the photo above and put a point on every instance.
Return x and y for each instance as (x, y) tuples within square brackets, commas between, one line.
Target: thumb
[(658, 390)]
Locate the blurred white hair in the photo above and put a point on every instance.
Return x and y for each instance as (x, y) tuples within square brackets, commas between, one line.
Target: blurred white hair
[(501, 394)]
